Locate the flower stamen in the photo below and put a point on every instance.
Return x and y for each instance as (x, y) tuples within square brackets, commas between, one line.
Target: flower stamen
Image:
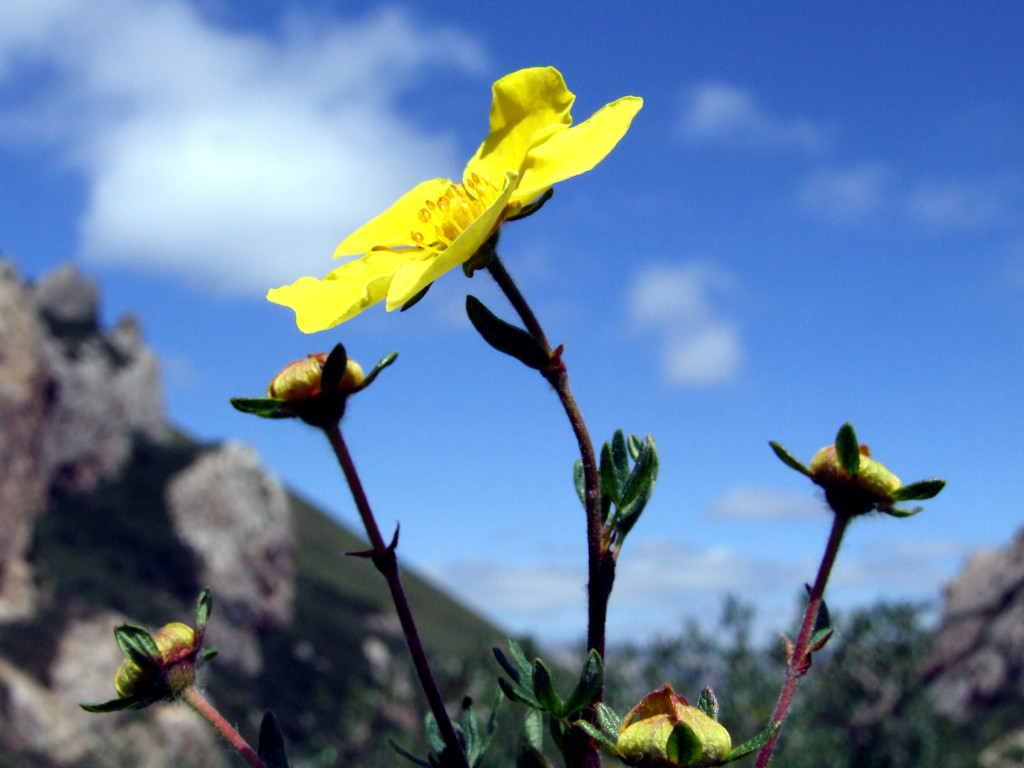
[(453, 212)]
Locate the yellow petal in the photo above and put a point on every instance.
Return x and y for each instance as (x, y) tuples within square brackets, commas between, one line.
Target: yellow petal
[(525, 103), (344, 293), (570, 152), (411, 277), (392, 228)]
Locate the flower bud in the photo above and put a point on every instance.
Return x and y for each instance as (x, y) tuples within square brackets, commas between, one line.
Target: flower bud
[(176, 652), (300, 380), (873, 477), (645, 731)]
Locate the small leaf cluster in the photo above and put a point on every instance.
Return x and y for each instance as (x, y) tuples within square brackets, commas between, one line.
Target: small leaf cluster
[(624, 490), (472, 740)]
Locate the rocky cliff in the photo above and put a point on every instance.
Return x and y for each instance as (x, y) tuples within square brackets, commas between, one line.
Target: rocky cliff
[(107, 516)]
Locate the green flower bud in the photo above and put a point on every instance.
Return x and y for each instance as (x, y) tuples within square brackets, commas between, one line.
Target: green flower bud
[(644, 735), (176, 645)]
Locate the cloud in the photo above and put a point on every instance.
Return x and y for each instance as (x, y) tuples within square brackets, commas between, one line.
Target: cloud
[(955, 204), (699, 346), (722, 112), (747, 503), (234, 158), (849, 194)]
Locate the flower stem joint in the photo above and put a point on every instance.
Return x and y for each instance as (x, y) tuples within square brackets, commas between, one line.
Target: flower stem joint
[(854, 483)]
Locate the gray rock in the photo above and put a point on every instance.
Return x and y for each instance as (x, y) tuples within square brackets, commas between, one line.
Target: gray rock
[(235, 516)]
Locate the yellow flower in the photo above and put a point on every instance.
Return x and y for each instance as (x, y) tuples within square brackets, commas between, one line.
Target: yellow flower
[(440, 225)]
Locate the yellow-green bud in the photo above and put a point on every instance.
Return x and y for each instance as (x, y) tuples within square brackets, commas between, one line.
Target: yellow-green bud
[(176, 651), (300, 379), (872, 477), (644, 734)]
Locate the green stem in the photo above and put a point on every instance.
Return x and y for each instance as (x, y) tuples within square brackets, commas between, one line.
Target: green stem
[(798, 661), (199, 703), (600, 562), (386, 561)]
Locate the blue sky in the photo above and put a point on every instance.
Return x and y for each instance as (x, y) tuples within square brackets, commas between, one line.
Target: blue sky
[(815, 218)]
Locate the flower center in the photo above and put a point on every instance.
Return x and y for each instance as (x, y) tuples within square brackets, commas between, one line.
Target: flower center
[(448, 217)]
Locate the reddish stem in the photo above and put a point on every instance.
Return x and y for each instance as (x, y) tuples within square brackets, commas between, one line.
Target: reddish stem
[(798, 661), (386, 561), (199, 703)]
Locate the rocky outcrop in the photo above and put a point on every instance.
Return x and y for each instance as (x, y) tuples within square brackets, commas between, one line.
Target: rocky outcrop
[(235, 517), (978, 655)]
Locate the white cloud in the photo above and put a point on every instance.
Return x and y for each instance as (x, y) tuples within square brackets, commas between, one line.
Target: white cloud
[(722, 112), (766, 504), (699, 346), (237, 159), (848, 194), (950, 204)]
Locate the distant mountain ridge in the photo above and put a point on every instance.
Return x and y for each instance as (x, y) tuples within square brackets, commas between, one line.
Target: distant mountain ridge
[(108, 515)]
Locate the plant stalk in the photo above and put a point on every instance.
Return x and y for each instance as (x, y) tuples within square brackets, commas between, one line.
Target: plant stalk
[(200, 704), (386, 561), (798, 661)]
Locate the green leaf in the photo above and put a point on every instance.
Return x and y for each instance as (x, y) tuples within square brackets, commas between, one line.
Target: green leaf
[(789, 459), (752, 744), (505, 337), (533, 729), (707, 703), (610, 722), (848, 450), (544, 689), (117, 705), (531, 208), (477, 744), (683, 747), (608, 475), (434, 737), (894, 512), (271, 744), (264, 407), (823, 621), (525, 667), (621, 456), (415, 299), (334, 368), (580, 481), (203, 607), (518, 693), (644, 473), (629, 514), (819, 638), (587, 686), (598, 735), (919, 491), (408, 755), (138, 645), (383, 363), (634, 444)]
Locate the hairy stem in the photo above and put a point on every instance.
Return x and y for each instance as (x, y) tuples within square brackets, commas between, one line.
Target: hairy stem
[(600, 562), (199, 703), (798, 661), (386, 561)]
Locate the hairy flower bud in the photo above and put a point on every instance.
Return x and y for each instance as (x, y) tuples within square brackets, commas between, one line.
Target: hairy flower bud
[(644, 735), (873, 477), (300, 380), (176, 648)]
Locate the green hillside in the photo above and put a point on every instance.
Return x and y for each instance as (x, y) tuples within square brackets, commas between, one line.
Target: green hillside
[(115, 548)]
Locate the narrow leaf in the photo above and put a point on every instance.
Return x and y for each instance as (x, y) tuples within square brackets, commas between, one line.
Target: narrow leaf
[(598, 735), (708, 703), (894, 512), (609, 476), (383, 363), (544, 689), (634, 444), (517, 693), (819, 639), (203, 607), (629, 514), (607, 719), (138, 645), (434, 737), (264, 407), (848, 450), (271, 744), (752, 744), (621, 456), (580, 482), (415, 299), (919, 491), (117, 705), (408, 755), (505, 337), (334, 368), (533, 729), (644, 473), (587, 686), (524, 666), (789, 459)]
